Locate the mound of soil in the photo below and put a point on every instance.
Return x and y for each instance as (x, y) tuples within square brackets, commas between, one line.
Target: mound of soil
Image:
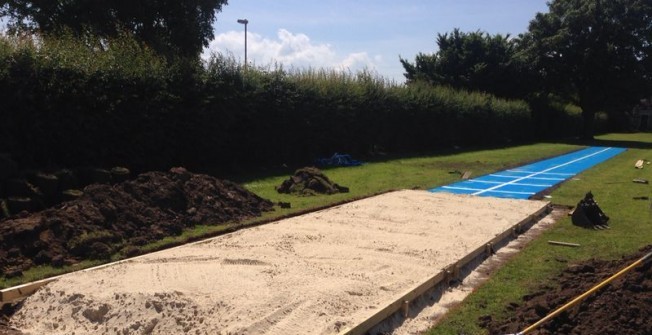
[(310, 181), (622, 307), (111, 218)]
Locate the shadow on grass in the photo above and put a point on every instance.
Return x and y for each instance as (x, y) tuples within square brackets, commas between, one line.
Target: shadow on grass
[(631, 144), (623, 144), (286, 170), (245, 176)]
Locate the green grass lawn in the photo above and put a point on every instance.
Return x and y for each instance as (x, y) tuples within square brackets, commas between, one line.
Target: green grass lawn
[(539, 262), (407, 173)]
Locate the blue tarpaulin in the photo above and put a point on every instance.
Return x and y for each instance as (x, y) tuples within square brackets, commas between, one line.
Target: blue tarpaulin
[(338, 160)]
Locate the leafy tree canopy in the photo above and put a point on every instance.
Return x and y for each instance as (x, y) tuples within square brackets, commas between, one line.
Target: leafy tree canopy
[(473, 61), (596, 53), (179, 27)]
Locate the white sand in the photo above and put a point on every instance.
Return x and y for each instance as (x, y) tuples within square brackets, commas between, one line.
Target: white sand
[(426, 311), (314, 274)]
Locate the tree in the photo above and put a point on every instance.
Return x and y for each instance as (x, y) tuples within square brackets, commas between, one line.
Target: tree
[(596, 53), (473, 61), (179, 27)]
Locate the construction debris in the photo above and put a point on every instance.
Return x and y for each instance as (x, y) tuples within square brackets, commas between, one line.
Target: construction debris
[(640, 181), (639, 164)]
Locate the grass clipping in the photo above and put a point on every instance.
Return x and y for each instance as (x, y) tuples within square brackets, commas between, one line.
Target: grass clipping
[(309, 181)]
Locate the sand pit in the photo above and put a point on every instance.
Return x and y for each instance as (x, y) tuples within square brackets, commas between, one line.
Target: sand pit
[(319, 273)]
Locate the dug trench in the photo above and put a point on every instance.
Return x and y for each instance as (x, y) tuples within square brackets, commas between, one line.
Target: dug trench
[(622, 307)]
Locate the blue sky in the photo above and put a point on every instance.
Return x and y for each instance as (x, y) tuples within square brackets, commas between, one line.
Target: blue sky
[(356, 34)]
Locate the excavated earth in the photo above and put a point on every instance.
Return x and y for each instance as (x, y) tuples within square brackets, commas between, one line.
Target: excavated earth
[(120, 218), (622, 307), (310, 181)]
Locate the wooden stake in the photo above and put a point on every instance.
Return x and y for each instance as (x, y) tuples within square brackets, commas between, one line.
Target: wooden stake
[(564, 243), (406, 308)]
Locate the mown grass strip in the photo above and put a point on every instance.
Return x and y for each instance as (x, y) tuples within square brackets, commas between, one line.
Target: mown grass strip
[(539, 262)]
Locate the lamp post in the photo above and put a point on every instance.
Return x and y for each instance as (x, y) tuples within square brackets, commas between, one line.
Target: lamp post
[(245, 22)]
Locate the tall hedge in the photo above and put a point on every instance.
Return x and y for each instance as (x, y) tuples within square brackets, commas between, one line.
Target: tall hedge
[(68, 103)]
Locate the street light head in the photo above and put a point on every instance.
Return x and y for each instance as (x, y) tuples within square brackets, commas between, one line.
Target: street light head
[(243, 21)]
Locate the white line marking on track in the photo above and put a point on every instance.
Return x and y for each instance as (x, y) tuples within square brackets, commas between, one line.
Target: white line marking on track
[(479, 189), (514, 177), (462, 188), (518, 184), (513, 192), (553, 173), (492, 189)]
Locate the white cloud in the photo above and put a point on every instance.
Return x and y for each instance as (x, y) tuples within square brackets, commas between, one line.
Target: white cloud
[(357, 60), (290, 50)]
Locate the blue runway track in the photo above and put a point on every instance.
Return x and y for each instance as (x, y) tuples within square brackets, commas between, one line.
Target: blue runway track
[(525, 181)]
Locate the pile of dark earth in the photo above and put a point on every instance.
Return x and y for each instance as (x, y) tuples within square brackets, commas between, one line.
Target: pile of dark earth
[(108, 219), (309, 181), (622, 307)]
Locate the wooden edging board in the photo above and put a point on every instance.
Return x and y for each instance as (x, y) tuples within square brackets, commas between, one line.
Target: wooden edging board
[(445, 275), (20, 291)]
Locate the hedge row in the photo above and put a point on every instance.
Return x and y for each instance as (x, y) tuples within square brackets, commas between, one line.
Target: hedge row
[(66, 102)]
